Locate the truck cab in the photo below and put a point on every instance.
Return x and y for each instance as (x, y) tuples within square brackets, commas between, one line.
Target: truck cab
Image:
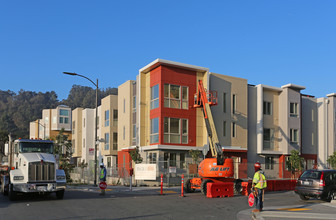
[(33, 169)]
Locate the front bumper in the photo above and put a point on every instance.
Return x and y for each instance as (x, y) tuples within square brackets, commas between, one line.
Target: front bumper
[(38, 187)]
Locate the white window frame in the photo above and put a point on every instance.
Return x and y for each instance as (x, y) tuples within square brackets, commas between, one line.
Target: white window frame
[(293, 111), (294, 135), (268, 108), (167, 135), (183, 103), (155, 103)]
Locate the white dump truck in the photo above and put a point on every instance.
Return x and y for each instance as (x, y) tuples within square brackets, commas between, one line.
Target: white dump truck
[(31, 168)]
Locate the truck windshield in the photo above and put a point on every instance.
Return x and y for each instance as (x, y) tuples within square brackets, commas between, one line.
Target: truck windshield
[(27, 147)]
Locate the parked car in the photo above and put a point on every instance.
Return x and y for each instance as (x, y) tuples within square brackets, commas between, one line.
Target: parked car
[(320, 184)]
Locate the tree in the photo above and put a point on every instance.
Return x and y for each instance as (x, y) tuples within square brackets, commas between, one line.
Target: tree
[(63, 151), (332, 160), (135, 155), (194, 155), (295, 162)]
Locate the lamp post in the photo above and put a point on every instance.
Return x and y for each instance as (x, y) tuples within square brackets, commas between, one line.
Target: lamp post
[(96, 85)]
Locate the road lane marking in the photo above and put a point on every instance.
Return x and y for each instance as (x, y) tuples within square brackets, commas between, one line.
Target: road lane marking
[(293, 209)]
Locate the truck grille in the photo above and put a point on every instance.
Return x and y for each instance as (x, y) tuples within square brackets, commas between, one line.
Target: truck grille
[(39, 172)]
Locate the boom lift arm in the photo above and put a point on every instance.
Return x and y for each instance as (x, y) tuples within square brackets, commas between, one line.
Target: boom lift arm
[(204, 100)]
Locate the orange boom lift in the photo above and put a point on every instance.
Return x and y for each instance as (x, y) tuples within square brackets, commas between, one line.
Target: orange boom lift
[(214, 168)]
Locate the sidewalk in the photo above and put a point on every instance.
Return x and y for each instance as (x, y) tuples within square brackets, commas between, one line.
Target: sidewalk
[(308, 211)]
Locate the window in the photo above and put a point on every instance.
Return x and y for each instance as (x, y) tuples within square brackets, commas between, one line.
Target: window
[(109, 162), (268, 139), (107, 141), (83, 142), (234, 129), (155, 96), (172, 131), (115, 141), (293, 110), (182, 160), (107, 118), (64, 112), (84, 122), (310, 163), (269, 163), (176, 96), (61, 120), (154, 131), (234, 104), (134, 134), (294, 135), (73, 127), (97, 121), (134, 102), (172, 159), (224, 102), (224, 128), (152, 158), (268, 108), (115, 117)]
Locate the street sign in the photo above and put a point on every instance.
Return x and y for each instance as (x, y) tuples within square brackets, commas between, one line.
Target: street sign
[(251, 200), (102, 185)]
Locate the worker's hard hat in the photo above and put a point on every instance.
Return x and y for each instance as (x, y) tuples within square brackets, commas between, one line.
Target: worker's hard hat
[(101, 164), (257, 166)]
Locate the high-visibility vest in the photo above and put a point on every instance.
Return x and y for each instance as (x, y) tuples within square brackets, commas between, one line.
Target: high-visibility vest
[(259, 180), (102, 173)]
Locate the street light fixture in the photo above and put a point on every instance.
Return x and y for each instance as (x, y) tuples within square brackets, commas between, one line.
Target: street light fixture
[(96, 127)]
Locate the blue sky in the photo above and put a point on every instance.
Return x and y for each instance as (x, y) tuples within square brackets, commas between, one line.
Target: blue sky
[(266, 42)]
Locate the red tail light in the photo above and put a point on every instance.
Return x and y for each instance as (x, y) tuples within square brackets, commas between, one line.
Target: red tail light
[(322, 183)]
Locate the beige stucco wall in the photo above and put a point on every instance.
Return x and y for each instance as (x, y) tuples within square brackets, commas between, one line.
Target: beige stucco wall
[(109, 103), (144, 109), (77, 133), (231, 86), (124, 115), (201, 132), (272, 121), (309, 125)]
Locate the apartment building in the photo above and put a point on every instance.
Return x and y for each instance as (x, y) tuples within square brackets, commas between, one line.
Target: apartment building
[(128, 122), (108, 130), (53, 120), (77, 134), (326, 128), (231, 118)]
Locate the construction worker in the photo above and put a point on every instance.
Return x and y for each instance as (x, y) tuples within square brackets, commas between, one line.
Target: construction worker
[(102, 177), (258, 186)]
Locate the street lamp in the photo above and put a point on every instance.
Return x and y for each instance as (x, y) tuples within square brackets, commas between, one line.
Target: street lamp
[(96, 84)]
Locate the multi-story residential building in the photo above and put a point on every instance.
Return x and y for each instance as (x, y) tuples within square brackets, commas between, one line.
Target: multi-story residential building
[(231, 118), (88, 136), (77, 134), (108, 130), (326, 128), (127, 125), (274, 126), (53, 120), (157, 114)]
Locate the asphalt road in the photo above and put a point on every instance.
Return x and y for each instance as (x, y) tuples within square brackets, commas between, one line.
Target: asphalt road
[(140, 203)]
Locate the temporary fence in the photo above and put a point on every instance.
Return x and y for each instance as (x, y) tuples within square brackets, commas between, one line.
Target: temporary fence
[(172, 171)]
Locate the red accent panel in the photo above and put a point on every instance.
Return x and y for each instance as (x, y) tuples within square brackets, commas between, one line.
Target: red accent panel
[(127, 164), (175, 76)]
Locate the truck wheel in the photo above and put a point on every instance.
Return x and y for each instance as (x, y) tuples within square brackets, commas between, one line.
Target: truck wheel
[(60, 194), (187, 186), (11, 193), (204, 186)]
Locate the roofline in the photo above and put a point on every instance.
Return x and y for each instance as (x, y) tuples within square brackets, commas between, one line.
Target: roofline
[(270, 87), (159, 62), (293, 86), (332, 95)]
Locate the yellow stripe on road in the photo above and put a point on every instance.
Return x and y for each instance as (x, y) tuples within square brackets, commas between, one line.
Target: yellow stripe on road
[(294, 209), (167, 192)]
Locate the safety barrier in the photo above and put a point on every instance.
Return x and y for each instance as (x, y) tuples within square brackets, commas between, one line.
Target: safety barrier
[(215, 190), (272, 185)]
